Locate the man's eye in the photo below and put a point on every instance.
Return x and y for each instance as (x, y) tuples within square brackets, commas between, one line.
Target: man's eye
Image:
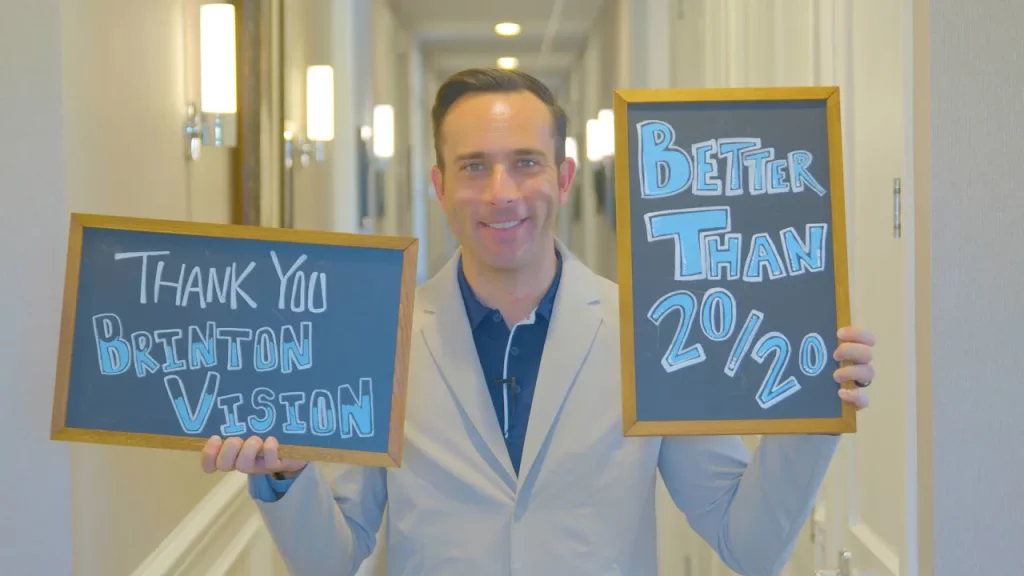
[(527, 163), (473, 167)]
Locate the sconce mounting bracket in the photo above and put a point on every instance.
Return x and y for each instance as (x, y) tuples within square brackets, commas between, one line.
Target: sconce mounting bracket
[(219, 130)]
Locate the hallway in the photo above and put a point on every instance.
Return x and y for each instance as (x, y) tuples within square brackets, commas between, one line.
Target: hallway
[(327, 126)]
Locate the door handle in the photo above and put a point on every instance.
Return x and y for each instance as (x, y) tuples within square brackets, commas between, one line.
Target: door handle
[(897, 208), (845, 558)]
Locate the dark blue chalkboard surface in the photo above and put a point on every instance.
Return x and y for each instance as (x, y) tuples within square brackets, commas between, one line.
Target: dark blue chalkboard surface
[(731, 260), (176, 331)]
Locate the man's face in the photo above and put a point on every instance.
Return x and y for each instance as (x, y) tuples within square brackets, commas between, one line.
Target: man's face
[(501, 188)]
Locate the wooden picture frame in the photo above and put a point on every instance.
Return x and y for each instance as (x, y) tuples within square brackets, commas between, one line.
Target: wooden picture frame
[(408, 247), (624, 100)]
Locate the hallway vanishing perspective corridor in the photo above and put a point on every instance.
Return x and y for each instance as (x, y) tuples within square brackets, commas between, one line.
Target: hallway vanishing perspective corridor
[(315, 116)]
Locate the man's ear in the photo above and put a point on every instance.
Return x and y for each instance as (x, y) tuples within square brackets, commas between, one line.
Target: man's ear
[(437, 178), (566, 173)]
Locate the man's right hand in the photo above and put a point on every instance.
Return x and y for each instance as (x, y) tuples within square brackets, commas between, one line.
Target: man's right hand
[(254, 456)]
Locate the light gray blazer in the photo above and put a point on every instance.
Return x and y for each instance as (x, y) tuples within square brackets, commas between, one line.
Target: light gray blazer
[(584, 500)]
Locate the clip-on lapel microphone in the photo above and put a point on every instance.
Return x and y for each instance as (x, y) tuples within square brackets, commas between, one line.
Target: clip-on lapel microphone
[(509, 388)]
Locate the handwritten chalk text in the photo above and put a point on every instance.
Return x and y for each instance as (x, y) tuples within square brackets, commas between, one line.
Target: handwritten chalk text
[(704, 246), (187, 284), (666, 169), (348, 413), (171, 350), (715, 316)]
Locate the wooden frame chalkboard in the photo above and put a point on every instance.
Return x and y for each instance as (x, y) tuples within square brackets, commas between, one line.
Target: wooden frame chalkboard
[(697, 359), (370, 275)]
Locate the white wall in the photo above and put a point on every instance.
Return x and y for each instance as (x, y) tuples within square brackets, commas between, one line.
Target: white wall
[(607, 64), (390, 79), (127, 74), (977, 267), (440, 241), (419, 146), (95, 94), (35, 482), (307, 42), (584, 238)]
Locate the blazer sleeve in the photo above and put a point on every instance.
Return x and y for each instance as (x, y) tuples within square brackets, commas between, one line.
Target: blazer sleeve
[(326, 522), (749, 509)]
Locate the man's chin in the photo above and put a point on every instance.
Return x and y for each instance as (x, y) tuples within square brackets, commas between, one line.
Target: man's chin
[(506, 258), (505, 262)]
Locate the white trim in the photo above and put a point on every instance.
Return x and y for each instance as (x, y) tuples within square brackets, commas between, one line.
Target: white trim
[(213, 537), (504, 371), (235, 551)]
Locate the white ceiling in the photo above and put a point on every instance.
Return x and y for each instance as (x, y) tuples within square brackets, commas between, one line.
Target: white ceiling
[(458, 34)]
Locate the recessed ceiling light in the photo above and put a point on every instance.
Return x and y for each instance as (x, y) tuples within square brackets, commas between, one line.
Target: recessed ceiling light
[(508, 62), (507, 29)]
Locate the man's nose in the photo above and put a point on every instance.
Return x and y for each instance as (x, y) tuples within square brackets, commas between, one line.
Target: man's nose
[(502, 187)]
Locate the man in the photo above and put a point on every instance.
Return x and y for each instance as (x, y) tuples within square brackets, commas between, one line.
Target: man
[(480, 492)]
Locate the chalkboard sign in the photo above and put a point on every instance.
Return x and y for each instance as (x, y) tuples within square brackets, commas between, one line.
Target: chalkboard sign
[(176, 331), (731, 260)]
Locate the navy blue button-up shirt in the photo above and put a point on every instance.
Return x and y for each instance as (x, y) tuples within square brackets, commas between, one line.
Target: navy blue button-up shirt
[(510, 359)]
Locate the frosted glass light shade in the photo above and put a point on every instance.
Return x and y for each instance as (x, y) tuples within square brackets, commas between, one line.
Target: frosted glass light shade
[(383, 131), (320, 103), (217, 58), (572, 149), (607, 119), (595, 140)]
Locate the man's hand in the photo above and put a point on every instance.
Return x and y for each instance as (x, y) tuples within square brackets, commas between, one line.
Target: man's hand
[(253, 457), (855, 347)]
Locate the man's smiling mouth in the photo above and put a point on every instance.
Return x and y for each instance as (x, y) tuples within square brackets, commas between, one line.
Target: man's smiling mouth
[(505, 225)]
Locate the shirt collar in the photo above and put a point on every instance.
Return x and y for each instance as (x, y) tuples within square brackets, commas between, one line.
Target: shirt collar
[(477, 311)]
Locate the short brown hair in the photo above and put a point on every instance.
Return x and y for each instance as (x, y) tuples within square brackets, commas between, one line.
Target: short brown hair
[(475, 80)]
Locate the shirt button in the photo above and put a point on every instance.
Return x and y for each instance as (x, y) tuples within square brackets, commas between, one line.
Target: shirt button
[(497, 317), (514, 351)]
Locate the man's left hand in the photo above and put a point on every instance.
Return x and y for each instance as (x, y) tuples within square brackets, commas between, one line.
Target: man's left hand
[(855, 346)]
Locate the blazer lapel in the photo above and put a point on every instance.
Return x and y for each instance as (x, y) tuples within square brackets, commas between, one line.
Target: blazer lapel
[(575, 320), (449, 341)]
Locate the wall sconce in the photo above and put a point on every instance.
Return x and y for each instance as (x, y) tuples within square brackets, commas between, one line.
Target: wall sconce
[(319, 107), (607, 119), (595, 140), (383, 131), (601, 153), (572, 149), (319, 119), (601, 136), (215, 122)]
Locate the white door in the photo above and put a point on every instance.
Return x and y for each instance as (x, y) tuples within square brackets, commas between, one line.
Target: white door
[(865, 510), (870, 499), (864, 522)]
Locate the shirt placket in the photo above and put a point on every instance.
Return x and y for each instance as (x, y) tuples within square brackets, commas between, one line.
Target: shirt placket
[(513, 382), (511, 388)]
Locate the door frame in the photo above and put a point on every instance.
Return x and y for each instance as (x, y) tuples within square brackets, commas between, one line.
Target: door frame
[(918, 105)]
